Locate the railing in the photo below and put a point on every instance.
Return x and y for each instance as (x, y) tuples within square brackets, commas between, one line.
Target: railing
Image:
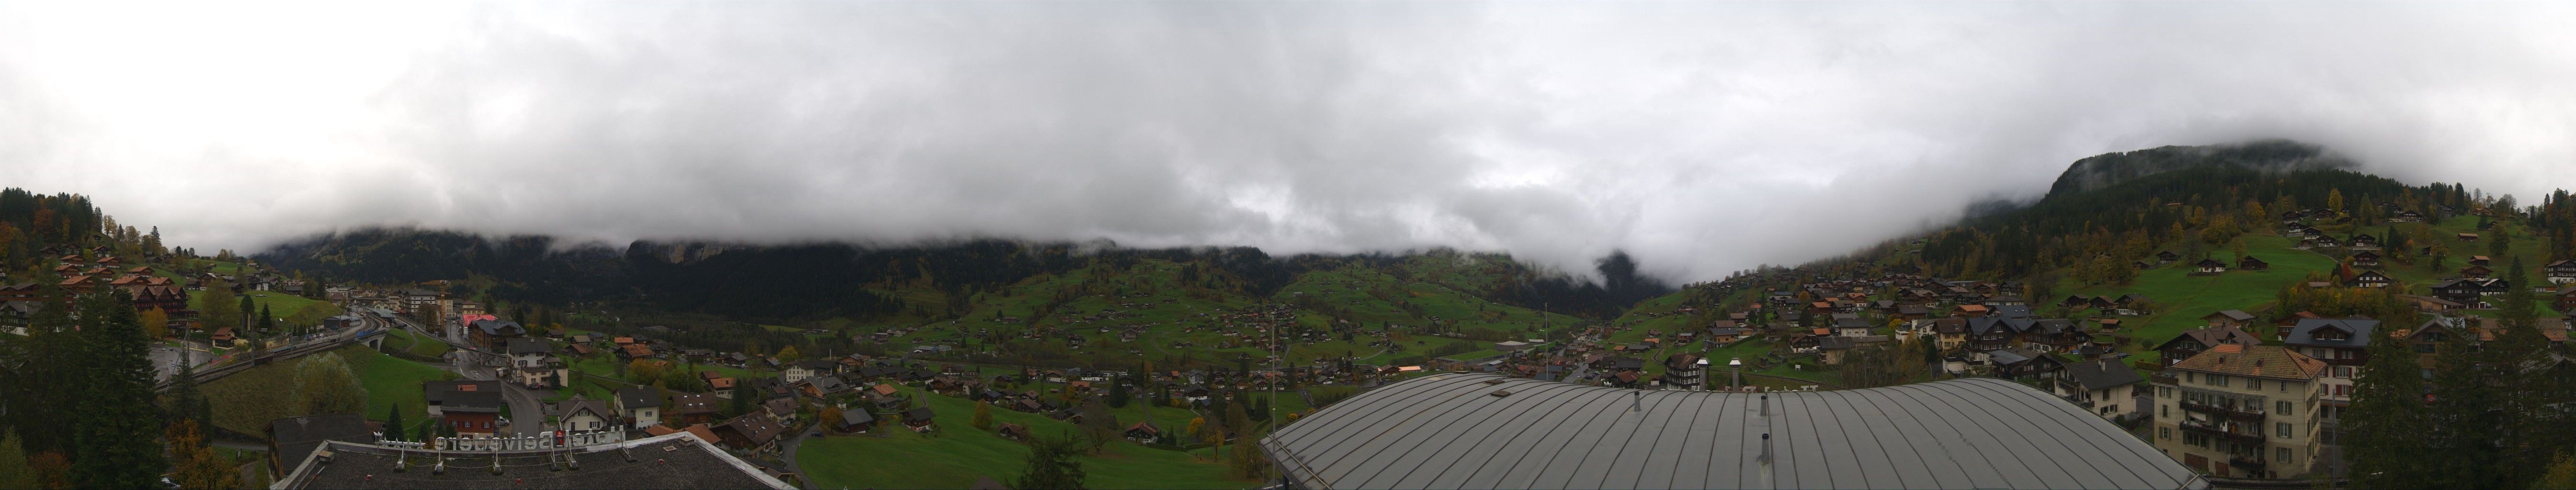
[(2248, 437), (2252, 461), (2249, 414), (2167, 379)]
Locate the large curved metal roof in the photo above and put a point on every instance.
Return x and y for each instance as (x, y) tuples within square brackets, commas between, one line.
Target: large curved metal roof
[(1450, 431)]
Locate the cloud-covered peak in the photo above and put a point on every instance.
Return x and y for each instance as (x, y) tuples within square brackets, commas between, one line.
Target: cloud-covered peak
[(1702, 138)]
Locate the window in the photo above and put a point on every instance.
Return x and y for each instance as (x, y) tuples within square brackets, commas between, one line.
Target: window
[(2217, 380), (2164, 411), (2253, 384), (2282, 408), (2283, 428), (2284, 453), (2190, 376), (2165, 433)]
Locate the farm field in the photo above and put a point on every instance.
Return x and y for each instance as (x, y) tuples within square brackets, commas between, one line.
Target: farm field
[(244, 402), (959, 454)]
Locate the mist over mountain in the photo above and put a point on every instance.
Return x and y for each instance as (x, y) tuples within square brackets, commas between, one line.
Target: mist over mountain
[(2267, 156), (1700, 138)]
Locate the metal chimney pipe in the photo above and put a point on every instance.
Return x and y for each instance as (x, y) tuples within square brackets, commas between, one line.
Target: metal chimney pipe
[(1766, 448), (1636, 401)]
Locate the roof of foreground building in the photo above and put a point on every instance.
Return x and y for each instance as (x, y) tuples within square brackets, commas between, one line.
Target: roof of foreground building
[(1465, 430)]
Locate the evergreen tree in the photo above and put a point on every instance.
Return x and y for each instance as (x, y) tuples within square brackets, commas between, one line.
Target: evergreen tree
[(249, 308), (2384, 430), (113, 444), (1053, 463), (1118, 392), (743, 394), (186, 401), (2463, 443), (37, 367), (394, 423)]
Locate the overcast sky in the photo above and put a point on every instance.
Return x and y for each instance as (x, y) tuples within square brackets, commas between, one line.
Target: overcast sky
[(1702, 138)]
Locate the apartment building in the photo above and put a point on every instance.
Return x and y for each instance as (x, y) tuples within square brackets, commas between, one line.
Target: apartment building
[(2243, 411)]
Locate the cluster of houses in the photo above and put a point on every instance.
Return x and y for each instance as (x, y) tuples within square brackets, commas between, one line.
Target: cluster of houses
[(95, 269)]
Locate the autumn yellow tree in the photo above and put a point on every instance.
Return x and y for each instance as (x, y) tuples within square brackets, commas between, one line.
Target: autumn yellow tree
[(644, 369), (197, 464), (155, 323)]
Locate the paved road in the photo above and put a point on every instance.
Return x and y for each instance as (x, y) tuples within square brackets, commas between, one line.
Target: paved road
[(787, 450), (527, 414), (527, 410)]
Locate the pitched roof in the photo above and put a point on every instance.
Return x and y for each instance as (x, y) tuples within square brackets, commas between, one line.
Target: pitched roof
[(637, 396), (2102, 374), (472, 401), (1452, 431), (2359, 329), (693, 404), (577, 404), (530, 345), (2256, 361)]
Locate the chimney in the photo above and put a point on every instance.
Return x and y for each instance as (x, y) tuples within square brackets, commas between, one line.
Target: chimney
[(1766, 448), (1637, 401)]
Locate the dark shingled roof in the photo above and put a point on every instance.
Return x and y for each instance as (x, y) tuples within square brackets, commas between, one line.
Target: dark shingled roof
[(1453, 431), (2359, 330), (530, 345), (472, 402), (299, 435), (686, 464), (2102, 374)]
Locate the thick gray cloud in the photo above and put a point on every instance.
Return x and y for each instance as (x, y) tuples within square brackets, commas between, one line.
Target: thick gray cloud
[(1702, 138)]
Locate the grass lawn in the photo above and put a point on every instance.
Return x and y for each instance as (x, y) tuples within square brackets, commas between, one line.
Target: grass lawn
[(2182, 298), (406, 341), (245, 402), (1473, 356), (961, 453), (393, 382)]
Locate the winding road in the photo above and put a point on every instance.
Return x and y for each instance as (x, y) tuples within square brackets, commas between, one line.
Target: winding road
[(527, 411)]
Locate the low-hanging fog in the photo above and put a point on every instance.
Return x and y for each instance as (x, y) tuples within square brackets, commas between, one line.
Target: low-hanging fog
[(1700, 138)]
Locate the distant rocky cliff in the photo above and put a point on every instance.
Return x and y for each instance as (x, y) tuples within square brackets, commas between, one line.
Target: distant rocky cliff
[(2101, 171)]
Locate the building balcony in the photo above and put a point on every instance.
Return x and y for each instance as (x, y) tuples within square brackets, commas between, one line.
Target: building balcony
[(2167, 379), (2256, 462), (2223, 432), (2241, 413)]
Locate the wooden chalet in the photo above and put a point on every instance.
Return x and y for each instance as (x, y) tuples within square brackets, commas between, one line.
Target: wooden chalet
[(2251, 263)]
